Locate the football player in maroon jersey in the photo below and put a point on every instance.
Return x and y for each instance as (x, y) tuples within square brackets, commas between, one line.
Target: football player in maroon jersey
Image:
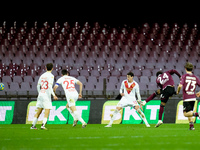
[(166, 83), (188, 83)]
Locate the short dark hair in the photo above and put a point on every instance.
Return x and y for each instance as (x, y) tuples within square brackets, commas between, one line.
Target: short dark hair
[(158, 73), (188, 66), (49, 66), (130, 74), (65, 72)]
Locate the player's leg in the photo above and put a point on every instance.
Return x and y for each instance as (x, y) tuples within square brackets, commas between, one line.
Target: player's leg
[(47, 107), (113, 116), (165, 94), (71, 101), (121, 104), (137, 108), (46, 115), (70, 111), (152, 96), (78, 116), (188, 109), (36, 116), (161, 110), (188, 112), (191, 123)]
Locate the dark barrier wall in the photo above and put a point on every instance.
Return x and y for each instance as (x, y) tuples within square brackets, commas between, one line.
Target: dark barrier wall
[(93, 112)]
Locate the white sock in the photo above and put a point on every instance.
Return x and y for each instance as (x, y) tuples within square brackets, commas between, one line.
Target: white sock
[(143, 116), (113, 117), (76, 115), (70, 111), (44, 121), (35, 121)]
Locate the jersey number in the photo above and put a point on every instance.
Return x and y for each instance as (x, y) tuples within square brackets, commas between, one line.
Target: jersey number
[(44, 84), (192, 83), (70, 84), (165, 78)]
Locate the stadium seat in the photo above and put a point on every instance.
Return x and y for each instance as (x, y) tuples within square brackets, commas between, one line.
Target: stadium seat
[(74, 73), (144, 79), (95, 73), (152, 87), (18, 79), (105, 73), (110, 88), (82, 79), (88, 88), (146, 72), (24, 88), (98, 90), (28, 79), (113, 79), (84, 73), (153, 79), (97, 50), (14, 88), (115, 73), (6, 79), (143, 88)]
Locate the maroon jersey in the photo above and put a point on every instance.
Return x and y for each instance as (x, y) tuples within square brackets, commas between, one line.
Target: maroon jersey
[(165, 79), (189, 82)]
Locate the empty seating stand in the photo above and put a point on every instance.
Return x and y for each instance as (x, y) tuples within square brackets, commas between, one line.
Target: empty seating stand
[(91, 52)]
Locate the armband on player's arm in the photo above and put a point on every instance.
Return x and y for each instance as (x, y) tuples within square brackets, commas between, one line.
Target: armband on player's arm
[(55, 87)]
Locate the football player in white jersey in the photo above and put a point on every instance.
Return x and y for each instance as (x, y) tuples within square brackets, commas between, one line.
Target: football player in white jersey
[(68, 85), (129, 88), (44, 88)]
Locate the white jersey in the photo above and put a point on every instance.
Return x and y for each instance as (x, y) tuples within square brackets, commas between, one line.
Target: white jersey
[(45, 84), (130, 90), (68, 84)]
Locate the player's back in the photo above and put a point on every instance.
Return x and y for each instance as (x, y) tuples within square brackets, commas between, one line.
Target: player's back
[(46, 81), (165, 79), (189, 82), (68, 83)]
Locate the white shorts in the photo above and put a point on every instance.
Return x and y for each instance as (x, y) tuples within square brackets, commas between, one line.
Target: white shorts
[(44, 102), (124, 102), (71, 99)]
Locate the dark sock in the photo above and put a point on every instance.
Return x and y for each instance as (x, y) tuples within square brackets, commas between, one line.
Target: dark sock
[(152, 96), (191, 124), (196, 114), (161, 112)]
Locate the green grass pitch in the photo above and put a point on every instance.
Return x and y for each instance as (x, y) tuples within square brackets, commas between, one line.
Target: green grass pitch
[(96, 136)]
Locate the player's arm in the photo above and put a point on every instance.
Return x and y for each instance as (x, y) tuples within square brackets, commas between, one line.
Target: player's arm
[(138, 93), (58, 82), (142, 103), (198, 94), (55, 87), (38, 85), (51, 89), (176, 72), (80, 88), (179, 88), (198, 83), (121, 89)]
